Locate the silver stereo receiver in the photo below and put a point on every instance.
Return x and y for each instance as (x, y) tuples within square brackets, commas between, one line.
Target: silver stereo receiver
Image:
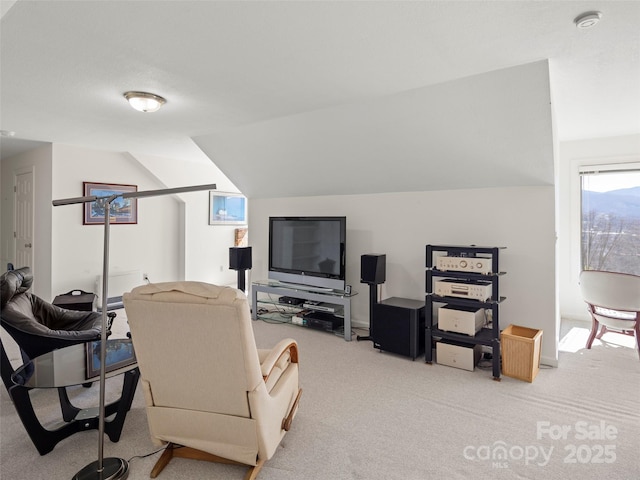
[(464, 264), (459, 288)]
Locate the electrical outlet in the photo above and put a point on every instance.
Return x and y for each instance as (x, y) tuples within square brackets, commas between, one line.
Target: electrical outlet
[(145, 277)]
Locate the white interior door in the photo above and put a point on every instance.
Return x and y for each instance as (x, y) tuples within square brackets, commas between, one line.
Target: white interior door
[(23, 215)]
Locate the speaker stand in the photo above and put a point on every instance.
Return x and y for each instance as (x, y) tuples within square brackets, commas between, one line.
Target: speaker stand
[(373, 299), (242, 279)]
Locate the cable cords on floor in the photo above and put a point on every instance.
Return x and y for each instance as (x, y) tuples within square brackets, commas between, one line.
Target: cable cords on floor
[(146, 455)]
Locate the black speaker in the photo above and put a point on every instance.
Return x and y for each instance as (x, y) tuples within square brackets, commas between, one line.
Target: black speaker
[(240, 258), (373, 268)]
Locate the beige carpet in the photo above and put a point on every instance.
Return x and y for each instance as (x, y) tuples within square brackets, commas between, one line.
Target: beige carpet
[(372, 415)]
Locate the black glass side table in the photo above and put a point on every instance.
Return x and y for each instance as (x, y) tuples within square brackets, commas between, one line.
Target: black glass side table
[(65, 367)]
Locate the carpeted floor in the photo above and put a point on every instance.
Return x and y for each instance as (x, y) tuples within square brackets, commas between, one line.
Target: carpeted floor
[(370, 415)]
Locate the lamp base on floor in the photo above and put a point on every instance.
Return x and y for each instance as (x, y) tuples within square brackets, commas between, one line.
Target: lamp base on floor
[(112, 469)]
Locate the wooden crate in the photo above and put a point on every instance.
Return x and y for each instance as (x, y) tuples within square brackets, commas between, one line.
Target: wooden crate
[(520, 348)]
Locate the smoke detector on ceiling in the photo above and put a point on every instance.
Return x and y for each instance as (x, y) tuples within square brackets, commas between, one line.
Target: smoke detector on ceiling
[(587, 20)]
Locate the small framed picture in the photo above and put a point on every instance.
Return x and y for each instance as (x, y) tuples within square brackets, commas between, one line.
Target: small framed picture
[(119, 354), (121, 211), (227, 208)]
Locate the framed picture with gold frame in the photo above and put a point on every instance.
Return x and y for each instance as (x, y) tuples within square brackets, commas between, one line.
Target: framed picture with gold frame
[(122, 211)]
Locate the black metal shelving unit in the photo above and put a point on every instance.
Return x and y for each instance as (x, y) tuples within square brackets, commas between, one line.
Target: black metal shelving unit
[(488, 336)]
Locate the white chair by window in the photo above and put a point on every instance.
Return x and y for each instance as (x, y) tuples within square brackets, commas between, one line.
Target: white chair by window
[(613, 299)]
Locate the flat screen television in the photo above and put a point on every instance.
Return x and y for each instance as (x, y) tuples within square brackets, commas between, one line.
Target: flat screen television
[(308, 251)]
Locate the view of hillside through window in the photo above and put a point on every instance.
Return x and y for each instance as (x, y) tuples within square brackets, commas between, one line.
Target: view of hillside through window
[(611, 221)]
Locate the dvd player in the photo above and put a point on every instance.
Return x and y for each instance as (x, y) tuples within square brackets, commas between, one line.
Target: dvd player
[(479, 290), (322, 306), (323, 321)]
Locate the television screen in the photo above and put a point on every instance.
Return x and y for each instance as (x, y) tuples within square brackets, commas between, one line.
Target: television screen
[(308, 251)]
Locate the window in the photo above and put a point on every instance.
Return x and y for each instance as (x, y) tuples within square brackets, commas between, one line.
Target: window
[(610, 220)]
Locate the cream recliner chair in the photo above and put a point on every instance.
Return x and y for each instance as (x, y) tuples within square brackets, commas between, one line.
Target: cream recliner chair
[(210, 393)]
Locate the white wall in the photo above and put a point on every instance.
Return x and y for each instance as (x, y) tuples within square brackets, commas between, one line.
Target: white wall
[(572, 155), (400, 225), (206, 247), (150, 246)]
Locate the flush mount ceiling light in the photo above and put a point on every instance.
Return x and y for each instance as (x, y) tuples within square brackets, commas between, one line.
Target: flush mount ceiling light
[(587, 20), (144, 102)]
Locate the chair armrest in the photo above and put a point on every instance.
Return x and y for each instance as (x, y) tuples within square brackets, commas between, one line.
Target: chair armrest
[(282, 348), (286, 422)]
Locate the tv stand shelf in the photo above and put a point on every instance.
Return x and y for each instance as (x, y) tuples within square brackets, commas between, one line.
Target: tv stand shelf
[(338, 298)]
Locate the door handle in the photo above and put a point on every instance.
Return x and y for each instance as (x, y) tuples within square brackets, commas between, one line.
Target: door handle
[(27, 245)]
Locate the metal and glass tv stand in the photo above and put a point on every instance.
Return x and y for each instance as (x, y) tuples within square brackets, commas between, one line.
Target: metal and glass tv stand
[(274, 290)]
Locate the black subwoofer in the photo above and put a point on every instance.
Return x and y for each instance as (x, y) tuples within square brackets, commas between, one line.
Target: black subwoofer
[(398, 326)]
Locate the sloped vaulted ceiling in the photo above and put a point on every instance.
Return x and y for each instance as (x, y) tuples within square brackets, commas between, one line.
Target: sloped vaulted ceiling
[(488, 130), (322, 97)]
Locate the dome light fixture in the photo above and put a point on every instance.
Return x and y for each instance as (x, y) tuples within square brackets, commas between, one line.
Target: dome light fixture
[(587, 20), (144, 102)]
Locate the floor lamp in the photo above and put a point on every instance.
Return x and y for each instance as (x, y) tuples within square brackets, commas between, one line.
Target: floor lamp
[(112, 468)]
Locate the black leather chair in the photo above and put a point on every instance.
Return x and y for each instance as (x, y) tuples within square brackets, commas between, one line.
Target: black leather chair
[(39, 327)]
